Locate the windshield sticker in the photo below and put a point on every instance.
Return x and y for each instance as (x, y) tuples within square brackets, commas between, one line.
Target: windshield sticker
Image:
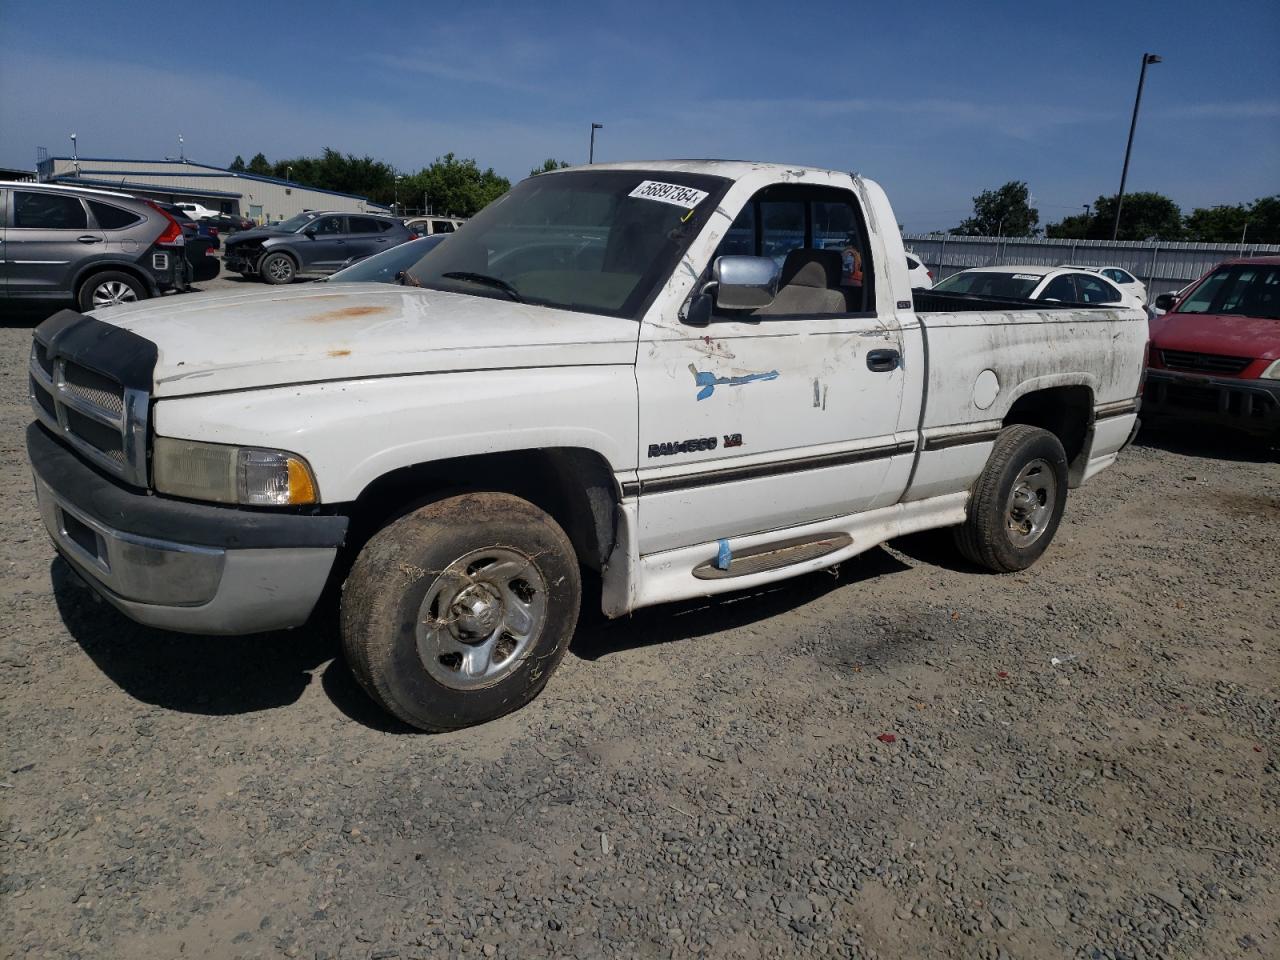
[(1026, 276), (671, 193)]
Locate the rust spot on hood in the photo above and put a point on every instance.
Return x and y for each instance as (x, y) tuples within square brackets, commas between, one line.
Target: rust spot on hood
[(347, 313), (339, 353)]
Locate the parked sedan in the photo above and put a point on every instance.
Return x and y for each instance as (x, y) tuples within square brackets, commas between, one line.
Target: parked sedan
[(315, 243), (95, 248), (1026, 282), (1122, 278), (1215, 353)]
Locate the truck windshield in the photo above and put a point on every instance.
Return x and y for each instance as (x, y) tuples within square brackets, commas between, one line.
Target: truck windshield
[(1243, 289), (598, 241), (989, 283)]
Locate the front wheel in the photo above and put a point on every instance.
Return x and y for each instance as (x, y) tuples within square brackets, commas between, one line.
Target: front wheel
[(277, 268), (1017, 502), (458, 612)]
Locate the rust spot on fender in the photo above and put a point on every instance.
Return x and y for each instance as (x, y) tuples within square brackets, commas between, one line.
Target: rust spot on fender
[(339, 353), (347, 313)]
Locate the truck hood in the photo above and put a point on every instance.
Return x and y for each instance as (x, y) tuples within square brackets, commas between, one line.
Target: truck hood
[(1224, 334), (237, 340)]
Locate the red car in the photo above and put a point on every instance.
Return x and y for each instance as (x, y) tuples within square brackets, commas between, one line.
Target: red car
[(1215, 355)]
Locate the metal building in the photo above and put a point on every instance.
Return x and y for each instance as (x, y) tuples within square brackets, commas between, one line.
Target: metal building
[(263, 199)]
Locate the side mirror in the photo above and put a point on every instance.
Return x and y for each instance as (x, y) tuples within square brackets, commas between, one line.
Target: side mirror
[(1165, 301), (744, 283), (310, 232)]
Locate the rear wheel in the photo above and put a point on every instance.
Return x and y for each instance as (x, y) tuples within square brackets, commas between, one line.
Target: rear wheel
[(109, 288), (1018, 501), (458, 612), (277, 268)]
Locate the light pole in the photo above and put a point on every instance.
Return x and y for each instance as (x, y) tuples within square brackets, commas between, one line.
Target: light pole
[(288, 172), (591, 153), (395, 203), (75, 156), (182, 155), (1147, 58)]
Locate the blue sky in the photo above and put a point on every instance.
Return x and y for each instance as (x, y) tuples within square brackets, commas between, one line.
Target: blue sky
[(937, 101)]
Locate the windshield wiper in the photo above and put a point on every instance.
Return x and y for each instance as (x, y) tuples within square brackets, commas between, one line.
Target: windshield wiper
[(488, 281)]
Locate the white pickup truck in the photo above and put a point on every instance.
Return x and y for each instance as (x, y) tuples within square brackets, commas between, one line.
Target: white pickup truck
[(686, 377)]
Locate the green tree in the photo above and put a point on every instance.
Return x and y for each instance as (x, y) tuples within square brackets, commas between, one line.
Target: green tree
[(1257, 222), (259, 165), (1005, 211), (547, 166), (237, 164), (455, 186), (1143, 216), (343, 173)]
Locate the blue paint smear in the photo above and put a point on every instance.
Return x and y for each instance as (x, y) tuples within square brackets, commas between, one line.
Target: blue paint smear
[(724, 557), (709, 381)]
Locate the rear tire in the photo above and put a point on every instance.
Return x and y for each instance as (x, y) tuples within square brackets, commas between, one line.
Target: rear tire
[(458, 613), (108, 288), (1017, 502), (277, 268)]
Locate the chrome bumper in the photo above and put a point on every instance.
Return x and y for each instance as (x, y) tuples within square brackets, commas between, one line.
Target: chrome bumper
[(183, 587)]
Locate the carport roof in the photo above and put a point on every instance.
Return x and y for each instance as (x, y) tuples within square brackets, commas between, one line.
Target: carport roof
[(143, 187)]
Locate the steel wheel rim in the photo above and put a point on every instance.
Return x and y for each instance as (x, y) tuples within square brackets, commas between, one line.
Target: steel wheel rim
[(109, 293), (480, 618), (1031, 503), (280, 269)]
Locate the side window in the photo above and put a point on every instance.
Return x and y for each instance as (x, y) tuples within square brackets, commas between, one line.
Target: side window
[(814, 237), (362, 225), (442, 226), (781, 228), (327, 226), (111, 218), (48, 211), (1060, 289), (383, 225), (740, 241), (1093, 290)]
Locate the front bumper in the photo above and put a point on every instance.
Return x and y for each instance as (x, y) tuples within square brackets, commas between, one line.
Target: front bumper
[(1248, 405), (178, 565)]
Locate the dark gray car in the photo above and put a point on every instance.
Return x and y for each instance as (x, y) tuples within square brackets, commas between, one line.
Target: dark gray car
[(91, 247), (316, 242)]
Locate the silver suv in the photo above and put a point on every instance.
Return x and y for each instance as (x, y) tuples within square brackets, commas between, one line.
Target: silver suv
[(92, 247)]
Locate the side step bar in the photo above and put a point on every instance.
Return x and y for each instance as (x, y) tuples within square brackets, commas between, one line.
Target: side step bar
[(771, 556)]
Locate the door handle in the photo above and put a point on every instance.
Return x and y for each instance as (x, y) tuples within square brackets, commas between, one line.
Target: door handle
[(88, 239), (883, 361), (381, 240)]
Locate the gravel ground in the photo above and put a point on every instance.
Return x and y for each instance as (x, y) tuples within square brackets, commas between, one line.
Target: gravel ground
[(907, 759)]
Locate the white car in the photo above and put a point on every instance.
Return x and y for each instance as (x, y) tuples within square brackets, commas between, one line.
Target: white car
[(646, 401), (1029, 282), (920, 275), (1122, 278), (196, 211), (431, 226)]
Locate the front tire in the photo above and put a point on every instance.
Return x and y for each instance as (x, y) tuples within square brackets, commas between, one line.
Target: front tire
[(277, 268), (1017, 502), (109, 288), (457, 613)]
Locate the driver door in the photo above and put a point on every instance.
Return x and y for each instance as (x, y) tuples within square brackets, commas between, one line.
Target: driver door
[(327, 244), (763, 421)]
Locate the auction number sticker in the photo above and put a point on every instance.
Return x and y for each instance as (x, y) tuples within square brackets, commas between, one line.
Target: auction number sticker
[(671, 193), (1026, 276)]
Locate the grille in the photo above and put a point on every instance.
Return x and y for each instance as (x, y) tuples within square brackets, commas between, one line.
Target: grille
[(92, 412), (1203, 362), (103, 392)]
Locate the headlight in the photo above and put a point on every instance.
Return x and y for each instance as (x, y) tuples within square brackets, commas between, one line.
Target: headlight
[(1272, 372), (227, 474)]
